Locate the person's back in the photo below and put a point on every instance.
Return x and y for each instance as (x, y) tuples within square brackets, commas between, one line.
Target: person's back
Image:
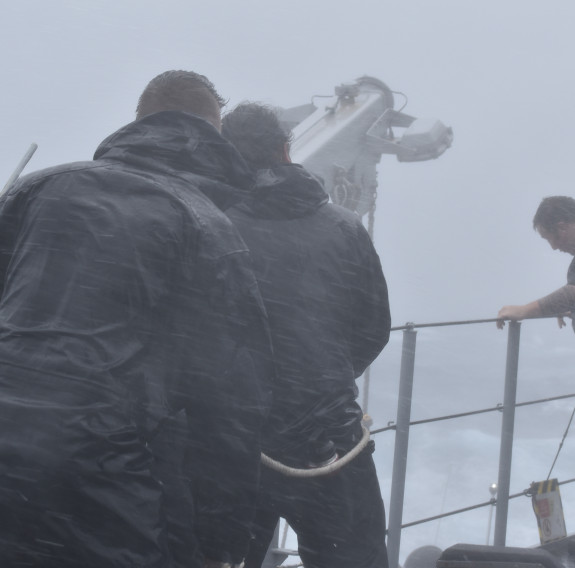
[(113, 317), (326, 299)]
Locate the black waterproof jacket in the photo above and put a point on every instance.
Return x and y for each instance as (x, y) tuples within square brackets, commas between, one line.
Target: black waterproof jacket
[(327, 304), (571, 280), (127, 296)]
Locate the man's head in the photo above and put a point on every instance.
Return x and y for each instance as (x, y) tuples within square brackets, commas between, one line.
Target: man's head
[(555, 222), (256, 132), (182, 90)]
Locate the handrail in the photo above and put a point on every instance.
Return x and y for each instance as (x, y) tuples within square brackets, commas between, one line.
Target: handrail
[(498, 408), (404, 423), (411, 325), (524, 493)]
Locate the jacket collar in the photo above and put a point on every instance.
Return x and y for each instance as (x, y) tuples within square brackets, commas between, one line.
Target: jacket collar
[(287, 191), (175, 142)]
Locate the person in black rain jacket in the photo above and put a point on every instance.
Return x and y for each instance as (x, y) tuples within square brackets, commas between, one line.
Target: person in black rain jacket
[(127, 297), (326, 298)]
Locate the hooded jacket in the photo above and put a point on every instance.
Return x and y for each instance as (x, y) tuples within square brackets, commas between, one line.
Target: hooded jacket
[(326, 298), (127, 296)]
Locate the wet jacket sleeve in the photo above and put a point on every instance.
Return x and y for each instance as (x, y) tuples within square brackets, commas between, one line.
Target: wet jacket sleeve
[(226, 407), (371, 319)]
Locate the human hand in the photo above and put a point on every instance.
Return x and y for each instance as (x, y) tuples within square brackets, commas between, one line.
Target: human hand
[(513, 313), (561, 319)]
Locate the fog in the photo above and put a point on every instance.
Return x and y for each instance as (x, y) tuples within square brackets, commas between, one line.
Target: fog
[(454, 234)]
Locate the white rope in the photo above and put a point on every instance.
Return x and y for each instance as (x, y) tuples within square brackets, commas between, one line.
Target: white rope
[(318, 471)]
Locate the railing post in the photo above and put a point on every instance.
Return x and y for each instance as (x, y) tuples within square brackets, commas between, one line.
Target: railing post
[(401, 446), (275, 555), (507, 425)]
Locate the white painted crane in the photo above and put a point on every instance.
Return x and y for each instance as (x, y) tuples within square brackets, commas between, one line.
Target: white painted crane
[(342, 140)]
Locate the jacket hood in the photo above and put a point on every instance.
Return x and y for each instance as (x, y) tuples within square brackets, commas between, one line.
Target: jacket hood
[(175, 142), (287, 191)]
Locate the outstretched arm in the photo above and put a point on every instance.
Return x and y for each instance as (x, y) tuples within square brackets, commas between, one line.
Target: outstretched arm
[(558, 302), (516, 313)]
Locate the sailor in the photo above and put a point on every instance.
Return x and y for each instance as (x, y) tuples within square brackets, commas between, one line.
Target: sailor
[(555, 221), (326, 298), (127, 297)]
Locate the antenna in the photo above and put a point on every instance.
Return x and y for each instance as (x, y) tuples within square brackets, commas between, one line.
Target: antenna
[(21, 165)]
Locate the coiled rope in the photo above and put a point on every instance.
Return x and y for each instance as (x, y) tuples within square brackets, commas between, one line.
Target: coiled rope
[(319, 471)]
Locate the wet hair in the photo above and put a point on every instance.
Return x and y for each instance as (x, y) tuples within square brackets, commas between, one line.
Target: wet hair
[(181, 90), (255, 130), (553, 210)]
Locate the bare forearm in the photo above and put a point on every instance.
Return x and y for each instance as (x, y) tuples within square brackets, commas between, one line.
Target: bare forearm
[(558, 302), (531, 310)]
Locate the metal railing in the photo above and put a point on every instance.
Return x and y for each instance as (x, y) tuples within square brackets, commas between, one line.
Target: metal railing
[(403, 424), (278, 553)]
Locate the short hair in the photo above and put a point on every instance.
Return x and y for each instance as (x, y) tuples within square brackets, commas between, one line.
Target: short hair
[(255, 130), (181, 90), (553, 210)]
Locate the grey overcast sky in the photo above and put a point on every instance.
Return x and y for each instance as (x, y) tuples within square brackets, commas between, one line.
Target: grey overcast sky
[(454, 234)]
